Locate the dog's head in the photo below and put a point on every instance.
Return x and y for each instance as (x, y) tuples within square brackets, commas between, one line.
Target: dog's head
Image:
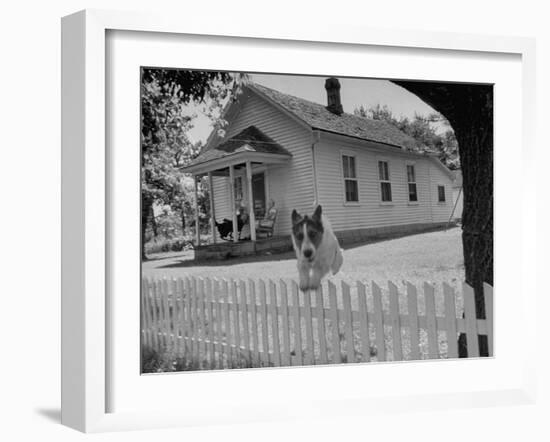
[(307, 233)]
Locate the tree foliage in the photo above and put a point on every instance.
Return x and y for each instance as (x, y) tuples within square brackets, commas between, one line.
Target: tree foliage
[(423, 131), (166, 95)]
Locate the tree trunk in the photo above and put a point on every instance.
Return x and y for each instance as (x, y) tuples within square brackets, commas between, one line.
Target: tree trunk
[(153, 221), (146, 208), (469, 109), (183, 225)]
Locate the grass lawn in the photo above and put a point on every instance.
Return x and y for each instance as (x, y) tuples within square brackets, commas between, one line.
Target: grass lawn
[(433, 257)]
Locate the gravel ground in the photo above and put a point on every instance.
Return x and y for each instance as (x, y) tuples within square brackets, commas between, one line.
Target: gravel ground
[(433, 257)]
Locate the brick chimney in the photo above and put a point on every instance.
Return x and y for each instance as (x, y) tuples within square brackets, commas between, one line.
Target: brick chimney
[(334, 105)]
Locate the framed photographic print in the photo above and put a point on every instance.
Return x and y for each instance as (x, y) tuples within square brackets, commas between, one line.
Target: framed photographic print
[(284, 223)]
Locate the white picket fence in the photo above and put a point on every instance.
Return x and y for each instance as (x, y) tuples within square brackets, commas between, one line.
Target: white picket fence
[(219, 324)]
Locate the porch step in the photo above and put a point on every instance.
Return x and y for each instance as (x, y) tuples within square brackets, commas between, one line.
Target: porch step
[(228, 249)]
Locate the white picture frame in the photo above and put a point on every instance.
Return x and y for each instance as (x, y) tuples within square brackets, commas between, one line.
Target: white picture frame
[(85, 305)]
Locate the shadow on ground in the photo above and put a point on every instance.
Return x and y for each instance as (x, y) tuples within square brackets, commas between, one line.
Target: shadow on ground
[(182, 262), (185, 259), (51, 414)]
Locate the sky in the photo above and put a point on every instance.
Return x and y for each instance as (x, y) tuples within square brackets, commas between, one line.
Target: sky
[(354, 92)]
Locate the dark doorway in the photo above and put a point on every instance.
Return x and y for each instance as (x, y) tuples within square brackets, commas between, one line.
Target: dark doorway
[(258, 194)]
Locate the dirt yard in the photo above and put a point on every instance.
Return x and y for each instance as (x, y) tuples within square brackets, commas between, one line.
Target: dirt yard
[(433, 257)]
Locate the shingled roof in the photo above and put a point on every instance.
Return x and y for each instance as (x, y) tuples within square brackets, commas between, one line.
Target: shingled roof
[(318, 117), (250, 139)]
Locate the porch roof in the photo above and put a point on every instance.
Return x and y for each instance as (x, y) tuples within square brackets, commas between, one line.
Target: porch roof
[(251, 144)]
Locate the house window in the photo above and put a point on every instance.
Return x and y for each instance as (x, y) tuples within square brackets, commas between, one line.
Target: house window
[(385, 184), (350, 178), (441, 193), (411, 179), (238, 189)]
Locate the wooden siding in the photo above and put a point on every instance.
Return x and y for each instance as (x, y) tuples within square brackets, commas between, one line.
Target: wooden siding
[(441, 211), (289, 185), (370, 211)]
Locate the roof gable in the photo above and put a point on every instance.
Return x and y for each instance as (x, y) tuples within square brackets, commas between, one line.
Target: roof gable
[(250, 139)]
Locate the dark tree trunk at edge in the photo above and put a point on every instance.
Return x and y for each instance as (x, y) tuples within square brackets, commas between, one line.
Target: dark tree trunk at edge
[(469, 110), (146, 209)]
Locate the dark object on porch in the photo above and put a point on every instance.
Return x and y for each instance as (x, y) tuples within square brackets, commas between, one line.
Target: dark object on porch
[(225, 228)]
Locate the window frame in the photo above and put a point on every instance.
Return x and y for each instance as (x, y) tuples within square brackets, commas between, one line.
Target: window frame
[(439, 201), (415, 182), (381, 181), (349, 154)]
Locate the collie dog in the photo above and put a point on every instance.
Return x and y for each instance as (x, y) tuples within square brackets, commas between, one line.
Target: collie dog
[(317, 249)]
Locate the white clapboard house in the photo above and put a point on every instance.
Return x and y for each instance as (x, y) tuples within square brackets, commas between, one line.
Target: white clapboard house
[(288, 152)]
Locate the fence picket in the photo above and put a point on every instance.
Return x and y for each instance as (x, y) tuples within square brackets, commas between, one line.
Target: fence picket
[(194, 321), (165, 313), (297, 323), (187, 315), (227, 324), (150, 307), (412, 306), (161, 310), (147, 323), (263, 314), (285, 324), (308, 320), (363, 321), (254, 320), (333, 301), (431, 322), (209, 325), (274, 323), (180, 319), (236, 322), (157, 315), (244, 314), (202, 323), (176, 316), (321, 333), (488, 295), (450, 321), (471, 322), (395, 324), (378, 322), (144, 323), (217, 323), (348, 323)]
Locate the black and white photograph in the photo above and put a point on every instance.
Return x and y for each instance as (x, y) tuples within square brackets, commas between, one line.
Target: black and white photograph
[(291, 220)]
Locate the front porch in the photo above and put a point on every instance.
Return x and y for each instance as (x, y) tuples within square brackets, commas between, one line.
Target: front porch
[(230, 249), (245, 226)]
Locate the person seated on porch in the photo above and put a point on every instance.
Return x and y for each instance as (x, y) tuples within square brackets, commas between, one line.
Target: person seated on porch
[(265, 226), (243, 221)]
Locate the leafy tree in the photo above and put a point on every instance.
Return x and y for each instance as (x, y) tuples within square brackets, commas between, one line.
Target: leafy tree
[(165, 123), (422, 131)]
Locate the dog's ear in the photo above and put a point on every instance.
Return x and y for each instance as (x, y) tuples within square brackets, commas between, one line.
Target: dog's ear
[(317, 214), (296, 218)]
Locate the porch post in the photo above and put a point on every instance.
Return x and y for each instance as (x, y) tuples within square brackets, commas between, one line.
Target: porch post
[(197, 230), (212, 210), (233, 208), (252, 217)]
